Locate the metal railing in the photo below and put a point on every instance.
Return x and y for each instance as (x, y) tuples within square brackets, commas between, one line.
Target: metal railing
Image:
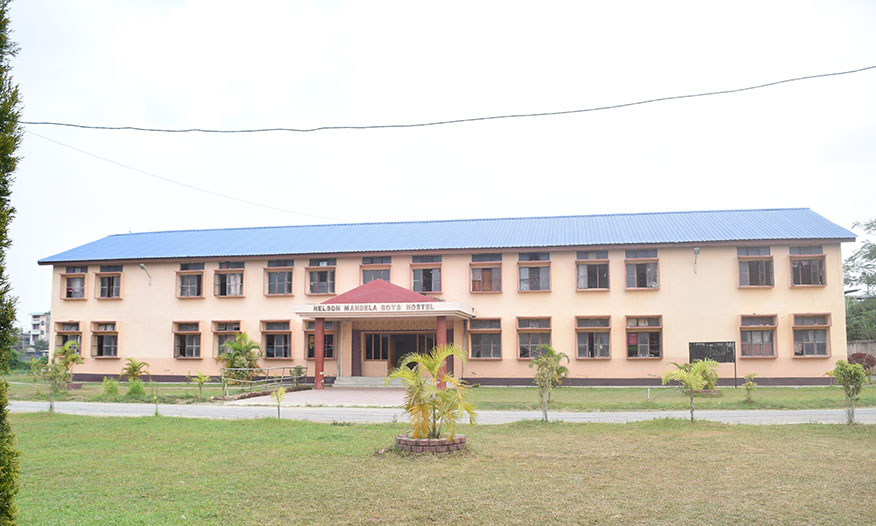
[(261, 378)]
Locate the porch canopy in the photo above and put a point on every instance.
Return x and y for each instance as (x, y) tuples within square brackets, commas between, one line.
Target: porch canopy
[(378, 299)]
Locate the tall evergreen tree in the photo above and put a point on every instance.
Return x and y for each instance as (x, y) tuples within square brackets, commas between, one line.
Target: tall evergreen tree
[(8, 463), (10, 138)]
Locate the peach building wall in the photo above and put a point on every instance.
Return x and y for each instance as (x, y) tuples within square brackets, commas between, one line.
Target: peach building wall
[(705, 305)]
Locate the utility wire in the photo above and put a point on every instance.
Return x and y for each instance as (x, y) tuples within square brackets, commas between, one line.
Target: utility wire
[(186, 185), (454, 121)]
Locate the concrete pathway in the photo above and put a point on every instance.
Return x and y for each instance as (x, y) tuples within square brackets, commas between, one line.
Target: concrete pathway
[(336, 397), (379, 414)]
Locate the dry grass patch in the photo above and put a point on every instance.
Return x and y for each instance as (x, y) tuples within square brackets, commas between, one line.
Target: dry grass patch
[(85, 470)]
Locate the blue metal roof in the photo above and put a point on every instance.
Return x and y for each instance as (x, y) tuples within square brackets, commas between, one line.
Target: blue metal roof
[(616, 229)]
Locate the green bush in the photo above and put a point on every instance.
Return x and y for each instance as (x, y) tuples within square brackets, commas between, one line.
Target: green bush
[(8, 462), (135, 389), (852, 377), (110, 386)]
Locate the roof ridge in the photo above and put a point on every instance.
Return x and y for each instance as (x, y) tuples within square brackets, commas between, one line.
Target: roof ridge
[(367, 223)]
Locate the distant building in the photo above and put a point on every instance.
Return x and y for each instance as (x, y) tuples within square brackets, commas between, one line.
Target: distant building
[(40, 326), (622, 295)]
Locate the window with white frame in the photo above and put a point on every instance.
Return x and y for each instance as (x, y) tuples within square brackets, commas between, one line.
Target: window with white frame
[(486, 338), (328, 340), (228, 279), (642, 269), (755, 266), (278, 276), (321, 276), (190, 280), (592, 269), (532, 335), (593, 336), (807, 265), (278, 339), (811, 335), (186, 340), (534, 271), (644, 337), (758, 336), (104, 340), (74, 282)]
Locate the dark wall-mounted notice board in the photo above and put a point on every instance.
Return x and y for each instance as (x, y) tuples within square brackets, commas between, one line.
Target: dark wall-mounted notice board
[(721, 352)]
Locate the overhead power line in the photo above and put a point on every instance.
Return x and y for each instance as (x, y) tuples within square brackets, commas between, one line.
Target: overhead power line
[(186, 185), (453, 121)]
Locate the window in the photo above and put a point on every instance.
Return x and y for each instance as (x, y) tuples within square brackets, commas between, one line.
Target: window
[(278, 277), (486, 273), (68, 331), (427, 259), (226, 332), (758, 335), (328, 341), (190, 279), (644, 337), (228, 280), (593, 337), (592, 270), (375, 268), (807, 265), (810, 335), (427, 279), (278, 339), (104, 340), (642, 269), (377, 347), (755, 266), (369, 275), (321, 274), (532, 333), (186, 340), (377, 260), (486, 338), (534, 271), (109, 280), (486, 258), (74, 283)]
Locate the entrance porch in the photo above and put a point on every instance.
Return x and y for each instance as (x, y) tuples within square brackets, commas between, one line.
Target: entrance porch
[(378, 323)]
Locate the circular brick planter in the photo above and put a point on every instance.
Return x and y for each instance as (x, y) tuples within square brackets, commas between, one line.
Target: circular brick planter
[(429, 445)]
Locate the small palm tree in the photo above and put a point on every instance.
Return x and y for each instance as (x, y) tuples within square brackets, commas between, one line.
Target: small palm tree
[(68, 356), (430, 407), (549, 374), (693, 377), (278, 397), (133, 369), (240, 353)]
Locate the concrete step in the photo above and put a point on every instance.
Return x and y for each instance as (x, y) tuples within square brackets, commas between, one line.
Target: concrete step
[(365, 381)]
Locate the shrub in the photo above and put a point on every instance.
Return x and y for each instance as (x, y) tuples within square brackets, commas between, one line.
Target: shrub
[(867, 361), (430, 407), (8, 462), (852, 377), (549, 374), (135, 389), (110, 386), (694, 376), (749, 385)]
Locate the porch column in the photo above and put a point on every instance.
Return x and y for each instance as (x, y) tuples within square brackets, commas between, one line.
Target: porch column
[(441, 339), (319, 353)]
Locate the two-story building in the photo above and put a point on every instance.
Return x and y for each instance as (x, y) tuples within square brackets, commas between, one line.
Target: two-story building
[(622, 295)]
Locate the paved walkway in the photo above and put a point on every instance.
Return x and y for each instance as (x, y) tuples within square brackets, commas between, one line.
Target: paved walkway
[(379, 414), (336, 396)]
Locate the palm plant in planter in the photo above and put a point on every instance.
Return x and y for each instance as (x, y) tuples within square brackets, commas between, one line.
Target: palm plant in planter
[(432, 409)]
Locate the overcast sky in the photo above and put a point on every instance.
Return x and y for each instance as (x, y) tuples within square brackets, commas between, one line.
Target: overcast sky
[(211, 64)]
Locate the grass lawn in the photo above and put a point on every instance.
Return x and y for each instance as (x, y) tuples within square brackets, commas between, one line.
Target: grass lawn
[(22, 387), (166, 471), (630, 399)]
